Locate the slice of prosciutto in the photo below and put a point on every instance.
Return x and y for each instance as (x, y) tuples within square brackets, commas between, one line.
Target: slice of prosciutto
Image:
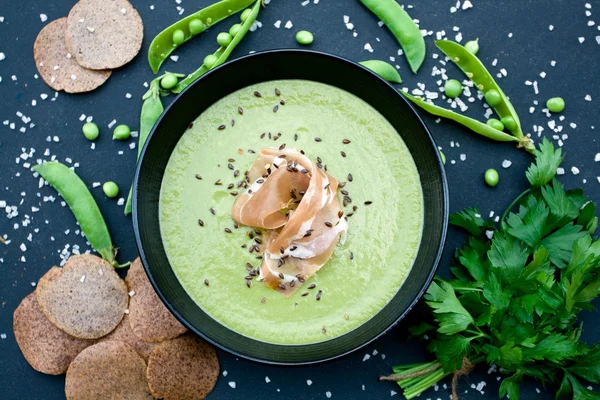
[(297, 203)]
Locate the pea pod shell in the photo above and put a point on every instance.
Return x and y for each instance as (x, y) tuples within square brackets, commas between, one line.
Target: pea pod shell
[(222, 52), (162, 45), (481, 77), (82, 204), (472, 124), (383, 69), (403, 28)]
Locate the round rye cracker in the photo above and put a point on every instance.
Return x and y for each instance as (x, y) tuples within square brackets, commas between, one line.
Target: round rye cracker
[(150, 320), (184, 368), (85, 298), (107, 370), (123, 333), (45, 347), (104, 34), (58, 67)]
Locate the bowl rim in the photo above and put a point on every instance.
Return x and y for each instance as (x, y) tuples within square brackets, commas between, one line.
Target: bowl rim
[(413, 302)]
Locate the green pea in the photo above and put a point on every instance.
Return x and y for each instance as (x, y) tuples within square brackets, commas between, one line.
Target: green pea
[(304, 37), (235, 29), (195, 26), (121, 132), (169, 81), (494, 123), (210, 60), (245, 14), (111, 190), (472, 46), (491, 177), (555, 104), (453, 88), (90, 131), (443, 157), (223, 39), (493, 97), (509, 123), (178, 37)]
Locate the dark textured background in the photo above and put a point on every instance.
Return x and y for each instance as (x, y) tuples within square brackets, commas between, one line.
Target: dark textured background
[(524, 55)]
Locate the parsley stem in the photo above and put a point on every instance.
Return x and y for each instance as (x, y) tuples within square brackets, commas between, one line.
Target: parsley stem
[(513, 204)]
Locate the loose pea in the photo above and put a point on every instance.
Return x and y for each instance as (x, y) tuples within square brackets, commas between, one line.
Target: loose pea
[(494, 123), (443, 157), (169, 81), (245, 14), (121, 132), (235, 29), (453, 88), (491, 177), (555, 104), (509, 123), (178, 37), (90, 131), (493, 98), (210, 60), (195, 26), (304, 37), (472, 46), (223, 39), (111, 190)]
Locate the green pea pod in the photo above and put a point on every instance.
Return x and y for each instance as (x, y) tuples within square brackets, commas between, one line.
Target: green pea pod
[(222, 52), (472, 124), (403, 28), (383, 69), (83, 206), (163, 45), (481, 77), (152, 108)]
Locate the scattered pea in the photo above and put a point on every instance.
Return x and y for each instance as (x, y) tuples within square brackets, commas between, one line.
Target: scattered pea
[(235, 29), (493, 97), (494, 123), (304, 37), (169, 81), (491, 177), (509, 123), (224, 38), (90, 131), (245, 14), (195, 26), (178, 37), (453, 88), (443, 157), (555, 104), (210, 60), (121, 132), (111, 190), (472, 46)]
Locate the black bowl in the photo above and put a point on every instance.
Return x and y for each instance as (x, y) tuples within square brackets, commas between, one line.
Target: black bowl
[(266, 66)]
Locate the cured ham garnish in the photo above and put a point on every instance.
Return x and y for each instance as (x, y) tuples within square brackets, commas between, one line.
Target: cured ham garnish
[(297, 203)]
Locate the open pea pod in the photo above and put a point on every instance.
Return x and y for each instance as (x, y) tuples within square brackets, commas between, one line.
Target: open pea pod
[(83, 206), (222, 52), (163, 44), (481, 77)]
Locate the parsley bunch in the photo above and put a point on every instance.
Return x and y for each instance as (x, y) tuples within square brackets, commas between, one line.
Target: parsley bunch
[(515, 298)]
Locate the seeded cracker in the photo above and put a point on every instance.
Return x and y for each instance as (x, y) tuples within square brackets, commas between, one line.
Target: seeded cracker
[(45, 347), (150, 320), (104, 34), (56, 68), (185, 368), (123, 333), (85, 298), (107, 370)]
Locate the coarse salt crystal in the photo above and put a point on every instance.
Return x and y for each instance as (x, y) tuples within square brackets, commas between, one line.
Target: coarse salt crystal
[(43, 17), (308, 382), (174, 58), (277, 24), (581, 39), (328, 394), (267, 379), (366, 357), (288, 25), (588, 97), (575, 170), (506, 163), (82, 279), (232, 384)]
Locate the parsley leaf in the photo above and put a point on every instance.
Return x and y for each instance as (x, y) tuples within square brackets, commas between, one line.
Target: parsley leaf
[(554, 348), (546, 162), (530, 228), (450, 350), (510, 386), (562, 209), (470, 220), (508, 256), (560, 243), (588, 366), (450, 314)]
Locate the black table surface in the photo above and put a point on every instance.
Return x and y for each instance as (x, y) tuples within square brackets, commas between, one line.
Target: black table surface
[(532, 40)]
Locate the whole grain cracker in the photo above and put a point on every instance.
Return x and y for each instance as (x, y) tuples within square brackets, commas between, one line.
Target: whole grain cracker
[(123, 333), (85, 298), (184, 368), (45, 347), (56, 65), (107, 370), (104, 34), (150, 320)]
